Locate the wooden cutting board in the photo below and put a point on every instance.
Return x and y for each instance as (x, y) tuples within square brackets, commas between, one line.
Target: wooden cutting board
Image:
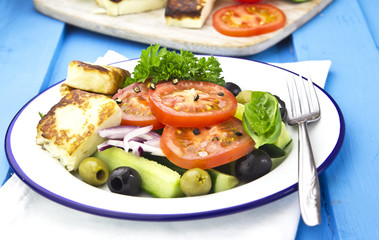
[(150, 27)]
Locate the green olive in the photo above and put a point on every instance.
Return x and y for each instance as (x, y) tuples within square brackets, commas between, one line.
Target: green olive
[(195, 182), (93, 171), (244, 96)]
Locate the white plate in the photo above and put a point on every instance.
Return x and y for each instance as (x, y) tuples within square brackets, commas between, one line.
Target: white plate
[(46, 176)]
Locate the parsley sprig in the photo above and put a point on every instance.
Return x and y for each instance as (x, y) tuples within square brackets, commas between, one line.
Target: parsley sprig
[(157, 64)]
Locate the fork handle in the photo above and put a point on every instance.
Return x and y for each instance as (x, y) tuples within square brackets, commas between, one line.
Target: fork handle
[(309, 189)]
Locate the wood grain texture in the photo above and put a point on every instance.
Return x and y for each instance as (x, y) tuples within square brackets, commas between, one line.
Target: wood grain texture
[(350, 184), (23, 68), (150, 27)]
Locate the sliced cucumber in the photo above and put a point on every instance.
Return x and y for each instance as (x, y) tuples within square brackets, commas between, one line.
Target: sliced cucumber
[(157, 180), (221, 181), (284, 138), (276, 150), (165, 162)]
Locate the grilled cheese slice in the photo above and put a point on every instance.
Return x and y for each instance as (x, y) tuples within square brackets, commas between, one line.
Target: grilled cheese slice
[(188, 13), (122, 7), (69, 130), (94, 78)]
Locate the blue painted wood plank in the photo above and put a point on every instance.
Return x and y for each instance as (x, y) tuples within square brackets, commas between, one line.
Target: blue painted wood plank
[(370, 10), (344, 34), (23, 67)]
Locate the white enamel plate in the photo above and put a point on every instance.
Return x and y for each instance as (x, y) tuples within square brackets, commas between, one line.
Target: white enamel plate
[(46, 176)]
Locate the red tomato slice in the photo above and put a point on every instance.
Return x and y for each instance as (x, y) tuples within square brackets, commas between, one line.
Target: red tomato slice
[(206, 147), (192, 103), (134, 103), (245, 20)]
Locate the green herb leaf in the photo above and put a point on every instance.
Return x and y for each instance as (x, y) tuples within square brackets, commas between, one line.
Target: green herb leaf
[(157, 64), (262, 119)]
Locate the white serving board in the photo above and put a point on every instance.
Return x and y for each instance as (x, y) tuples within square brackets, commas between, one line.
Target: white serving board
[(150, 27)]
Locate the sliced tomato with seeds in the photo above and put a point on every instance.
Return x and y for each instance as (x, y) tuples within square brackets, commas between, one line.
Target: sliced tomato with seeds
[(245, 20), (206, 147), (191, 103), (134, 103)]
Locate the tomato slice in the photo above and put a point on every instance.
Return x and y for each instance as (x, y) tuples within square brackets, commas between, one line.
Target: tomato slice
[(206, 147), (134, 103), (245, 20), (192, 103)]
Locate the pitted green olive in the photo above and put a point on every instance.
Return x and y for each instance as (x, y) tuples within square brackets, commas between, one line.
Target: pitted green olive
[(93, 171), (195, 182)]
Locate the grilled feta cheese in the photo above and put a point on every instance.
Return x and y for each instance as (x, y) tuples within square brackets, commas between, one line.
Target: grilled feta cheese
[(122, 7), (69, 130), (188, 13), (94, 78)]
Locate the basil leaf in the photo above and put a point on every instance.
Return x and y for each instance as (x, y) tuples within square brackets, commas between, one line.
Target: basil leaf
[(262, 119)]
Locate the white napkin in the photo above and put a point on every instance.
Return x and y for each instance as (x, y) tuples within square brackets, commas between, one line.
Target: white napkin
[(25, 213)]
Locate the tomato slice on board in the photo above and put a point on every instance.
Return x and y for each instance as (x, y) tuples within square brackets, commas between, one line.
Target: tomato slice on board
[(134, 103), (245, 20), (191, 103), (206, 147)]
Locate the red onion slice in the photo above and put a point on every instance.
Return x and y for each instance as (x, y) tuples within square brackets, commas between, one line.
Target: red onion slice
[(146, 148), (138, 132), (110, 143), (138, 139), (116, 132)]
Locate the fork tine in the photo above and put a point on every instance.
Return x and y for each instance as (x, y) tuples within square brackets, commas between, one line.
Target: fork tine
[(302, 96), (296, 96), (315, 105), (290, 94)]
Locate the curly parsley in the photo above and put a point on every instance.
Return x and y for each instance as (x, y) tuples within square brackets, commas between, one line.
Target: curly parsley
[(157, 64)]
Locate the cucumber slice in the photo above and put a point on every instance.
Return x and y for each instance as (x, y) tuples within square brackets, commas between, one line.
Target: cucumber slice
[(276, 150), (221, 181), (284, 138), (157, 180), (165, 162)]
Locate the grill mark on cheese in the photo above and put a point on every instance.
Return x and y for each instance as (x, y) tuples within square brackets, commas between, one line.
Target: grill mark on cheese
[(62, 136), (184, 8), (69, 130), (90, 67), (105, 113)]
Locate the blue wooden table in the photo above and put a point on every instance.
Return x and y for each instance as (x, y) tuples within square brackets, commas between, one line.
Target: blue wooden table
[(35, 51)]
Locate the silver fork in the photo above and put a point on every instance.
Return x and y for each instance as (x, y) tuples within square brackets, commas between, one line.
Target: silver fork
[(305, 108)]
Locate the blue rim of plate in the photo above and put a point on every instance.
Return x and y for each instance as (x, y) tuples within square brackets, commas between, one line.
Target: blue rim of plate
[(164, 217)]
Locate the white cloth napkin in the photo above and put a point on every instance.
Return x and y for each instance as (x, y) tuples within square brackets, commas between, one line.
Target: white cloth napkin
[(25, 213)]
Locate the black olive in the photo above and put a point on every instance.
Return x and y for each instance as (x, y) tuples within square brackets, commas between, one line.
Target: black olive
[(252, 166), (233, 88), (196, 131), (282, 108), (125, 180)]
